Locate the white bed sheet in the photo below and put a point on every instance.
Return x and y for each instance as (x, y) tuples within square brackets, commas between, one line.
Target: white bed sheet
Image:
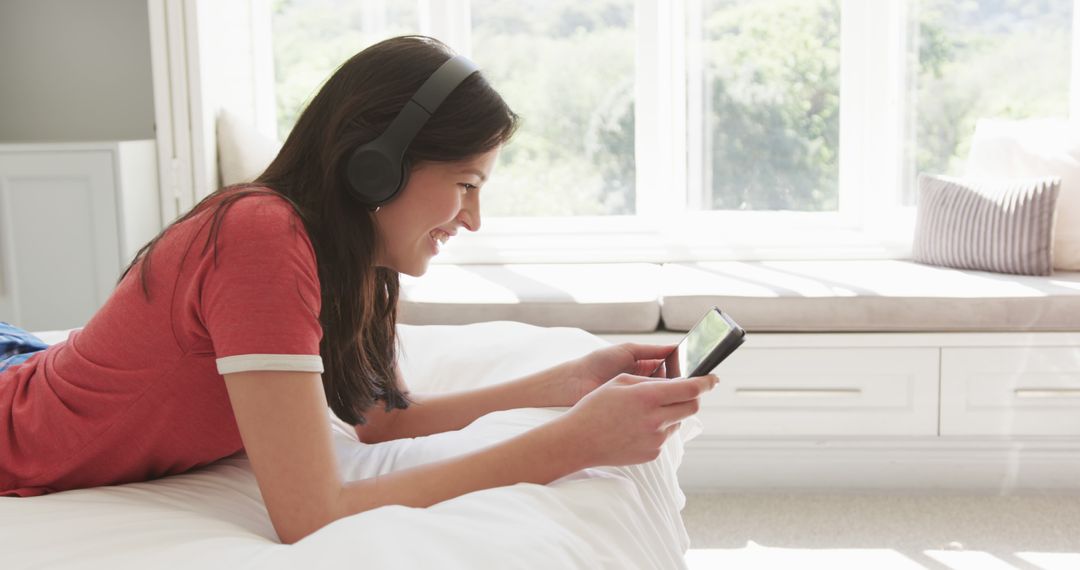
[(611, 517)]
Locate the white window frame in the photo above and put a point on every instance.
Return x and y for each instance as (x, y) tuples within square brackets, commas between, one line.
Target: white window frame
[(869, 223), (206, 56), (865, 226), (1074, 77)]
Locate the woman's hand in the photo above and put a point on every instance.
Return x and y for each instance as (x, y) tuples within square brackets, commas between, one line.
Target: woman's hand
[(627, 420), (589, 372)]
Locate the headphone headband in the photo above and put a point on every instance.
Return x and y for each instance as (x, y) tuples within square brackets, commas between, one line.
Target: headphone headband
[(427, 99), (376, 170)]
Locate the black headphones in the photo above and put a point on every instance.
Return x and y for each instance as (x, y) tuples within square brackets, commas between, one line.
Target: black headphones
[(377, 170)]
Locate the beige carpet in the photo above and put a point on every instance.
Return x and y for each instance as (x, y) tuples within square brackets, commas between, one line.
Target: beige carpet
[(909, 530)]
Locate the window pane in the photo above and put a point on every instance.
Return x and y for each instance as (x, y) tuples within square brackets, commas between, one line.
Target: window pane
[(980, 59), (771, 104), (567, 67), (313, 37)]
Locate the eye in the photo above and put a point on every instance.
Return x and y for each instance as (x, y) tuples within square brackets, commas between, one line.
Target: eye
[(467, 186)]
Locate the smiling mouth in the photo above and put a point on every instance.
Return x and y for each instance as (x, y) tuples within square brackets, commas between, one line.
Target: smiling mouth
[(438, 239)]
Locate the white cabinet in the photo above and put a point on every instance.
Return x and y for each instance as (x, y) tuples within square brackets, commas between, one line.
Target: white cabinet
[(986, 412), (844, 391), (71, 218), (1033, 390)]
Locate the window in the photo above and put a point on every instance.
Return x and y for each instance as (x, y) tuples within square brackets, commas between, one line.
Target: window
[(983, 58), (312, 38), (567, 67), (770, 105), (658, 130)]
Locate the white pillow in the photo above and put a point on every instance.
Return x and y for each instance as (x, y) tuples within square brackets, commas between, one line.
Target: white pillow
[(243, 152), (1035, 148)]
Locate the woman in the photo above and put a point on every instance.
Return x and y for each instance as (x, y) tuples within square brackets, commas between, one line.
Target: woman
[(239, 324)]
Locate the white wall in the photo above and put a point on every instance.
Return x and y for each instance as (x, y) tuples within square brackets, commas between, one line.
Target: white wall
[(75, 70)]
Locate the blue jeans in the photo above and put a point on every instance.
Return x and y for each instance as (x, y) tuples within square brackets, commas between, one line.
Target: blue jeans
[(17, 345)]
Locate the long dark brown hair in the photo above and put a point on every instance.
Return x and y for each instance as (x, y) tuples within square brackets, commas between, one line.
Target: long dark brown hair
[(359, 300)]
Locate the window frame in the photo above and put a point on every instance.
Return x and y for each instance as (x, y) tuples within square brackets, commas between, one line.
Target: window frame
[(667, 48), (870, 222)]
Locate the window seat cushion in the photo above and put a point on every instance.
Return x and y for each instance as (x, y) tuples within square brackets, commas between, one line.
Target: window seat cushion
[(596, 297), (765, 296), (867, 295)]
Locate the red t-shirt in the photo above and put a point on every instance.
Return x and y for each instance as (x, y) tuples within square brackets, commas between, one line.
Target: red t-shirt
[(138, 392)]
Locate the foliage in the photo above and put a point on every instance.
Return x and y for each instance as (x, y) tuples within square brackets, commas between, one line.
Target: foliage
[(773, 87), (984, 58), (567, 68), (772, 90)]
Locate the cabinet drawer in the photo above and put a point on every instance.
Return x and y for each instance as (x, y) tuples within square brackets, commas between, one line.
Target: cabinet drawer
[(824, 391), (1010, 391)]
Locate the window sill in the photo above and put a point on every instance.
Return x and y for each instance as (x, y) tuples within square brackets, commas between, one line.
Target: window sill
[(661, 248), (688, 238)]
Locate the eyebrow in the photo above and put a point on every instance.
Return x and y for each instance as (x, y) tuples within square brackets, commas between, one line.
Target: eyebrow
[(483, 178)]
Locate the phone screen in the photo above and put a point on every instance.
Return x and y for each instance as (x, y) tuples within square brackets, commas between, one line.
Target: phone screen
[(695, 347)]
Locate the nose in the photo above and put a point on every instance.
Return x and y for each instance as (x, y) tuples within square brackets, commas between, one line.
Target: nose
[(470, 215)]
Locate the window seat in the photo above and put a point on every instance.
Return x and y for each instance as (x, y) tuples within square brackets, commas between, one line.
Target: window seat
[(858, 374), (597, 297), (868, 296), (764, 296)]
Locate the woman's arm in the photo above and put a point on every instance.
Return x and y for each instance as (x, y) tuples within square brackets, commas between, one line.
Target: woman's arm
[(282, 421), (540, 455), (436, 413)]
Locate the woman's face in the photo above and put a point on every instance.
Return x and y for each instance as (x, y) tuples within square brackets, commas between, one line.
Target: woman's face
[(439, 197)]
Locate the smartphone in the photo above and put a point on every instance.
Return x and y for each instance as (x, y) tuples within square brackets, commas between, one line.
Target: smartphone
[(708, 343)]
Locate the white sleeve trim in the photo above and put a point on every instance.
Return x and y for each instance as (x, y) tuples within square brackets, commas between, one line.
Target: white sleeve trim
[(278, 362)]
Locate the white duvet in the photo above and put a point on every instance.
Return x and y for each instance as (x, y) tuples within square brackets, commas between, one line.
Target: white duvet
[(214, 517)]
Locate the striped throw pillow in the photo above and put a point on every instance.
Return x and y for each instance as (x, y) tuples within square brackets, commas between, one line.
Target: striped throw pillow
[(1006, 226)]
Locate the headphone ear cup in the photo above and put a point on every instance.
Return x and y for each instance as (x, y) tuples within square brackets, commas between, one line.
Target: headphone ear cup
[(374, 176), (377, 171), (403, 177)]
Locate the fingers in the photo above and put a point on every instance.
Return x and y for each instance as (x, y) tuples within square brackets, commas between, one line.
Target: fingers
[(683, 389), (676, 413), (646, 367), (647, 351), (633, 379)]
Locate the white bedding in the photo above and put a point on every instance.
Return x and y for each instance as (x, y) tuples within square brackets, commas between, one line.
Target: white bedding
[(611, 517)]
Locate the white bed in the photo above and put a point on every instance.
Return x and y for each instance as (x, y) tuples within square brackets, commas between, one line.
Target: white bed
[(612, 517)]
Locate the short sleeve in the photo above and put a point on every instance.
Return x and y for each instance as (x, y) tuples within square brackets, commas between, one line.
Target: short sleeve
[(260, 299)]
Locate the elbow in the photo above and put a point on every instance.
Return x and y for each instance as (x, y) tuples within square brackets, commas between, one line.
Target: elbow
[(294, 531), (381, 425), (366, 435), (371, 434), (291, 536), (288, 540)]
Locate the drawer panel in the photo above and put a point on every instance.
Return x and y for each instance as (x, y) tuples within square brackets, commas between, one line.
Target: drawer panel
[(61, 248), (1010, 391), (824, 391)]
